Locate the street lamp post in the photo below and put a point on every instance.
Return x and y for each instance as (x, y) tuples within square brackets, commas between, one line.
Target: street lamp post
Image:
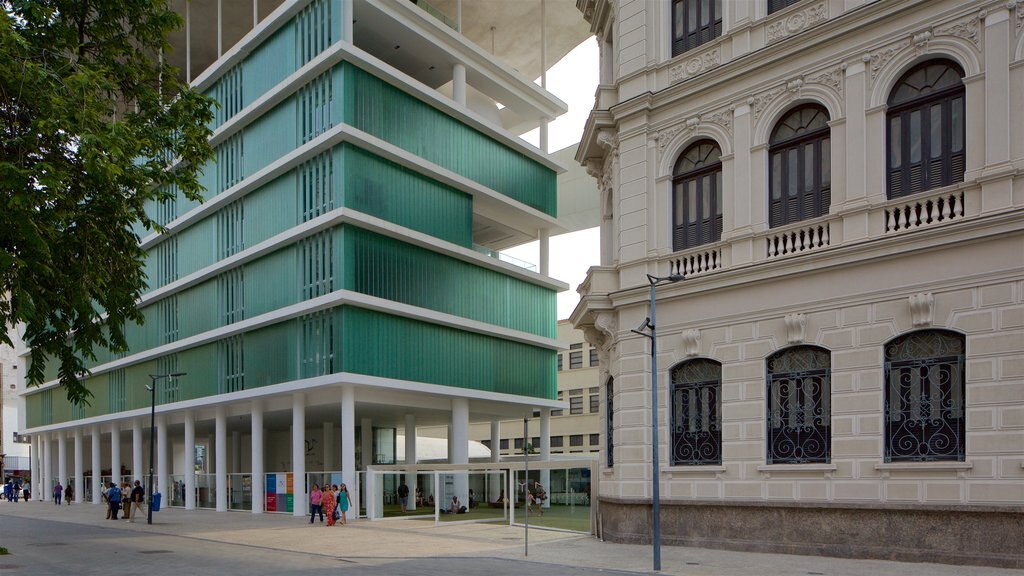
[(152, 435), (655, 281)]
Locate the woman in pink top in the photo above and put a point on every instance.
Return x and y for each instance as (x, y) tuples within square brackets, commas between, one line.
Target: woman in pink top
[(316, 503)]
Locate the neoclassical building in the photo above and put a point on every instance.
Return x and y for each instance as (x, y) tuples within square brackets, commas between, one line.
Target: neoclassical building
[(840, 183), (341, 281)]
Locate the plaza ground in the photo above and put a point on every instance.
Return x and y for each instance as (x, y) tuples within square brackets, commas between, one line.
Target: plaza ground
[(393, 546)]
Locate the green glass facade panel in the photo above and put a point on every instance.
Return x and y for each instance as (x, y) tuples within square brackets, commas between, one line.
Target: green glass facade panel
[(270, 209), (200, 366), (376, 107), (391, 192), (198, 311), (269, 137), (197, 246), (394, 270), (271, 354), (268, 64), (271, 283), (442, 355)]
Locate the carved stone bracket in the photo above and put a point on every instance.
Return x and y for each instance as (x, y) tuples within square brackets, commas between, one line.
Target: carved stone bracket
[(694, 66), (1019, 8), (921, 309), (602, 334), (722, 117), (795, 324), (832, 77), (796, 22), (691, 342)]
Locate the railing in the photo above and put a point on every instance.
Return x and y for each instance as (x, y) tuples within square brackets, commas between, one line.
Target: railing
[(505, 258), (921, 212), (797, 240), (698, 262)]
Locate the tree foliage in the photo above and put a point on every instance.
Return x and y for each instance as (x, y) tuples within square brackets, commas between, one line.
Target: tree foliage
[(90, 115)]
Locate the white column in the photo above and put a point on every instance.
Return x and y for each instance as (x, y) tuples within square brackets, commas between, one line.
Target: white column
[(188, 41), (220, 28), (35, 453), (410, 439), (236, 451), (190, 461), (459, 84), (459, 434), (458, 15), (543, 236), (495, 479), (542, 139), (115, 453), (346, 19), (299, 452), (162, 484), (366, 442), (137, 464), (348, 436), (258, 478), (545, 451), (328, 446), (62, 457), (78, 466), (255, 13), (97, 466), (221, 448), (45, 491), (543, 50)]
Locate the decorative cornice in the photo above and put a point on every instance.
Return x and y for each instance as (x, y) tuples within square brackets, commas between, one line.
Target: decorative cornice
[(696, 65), (796, 22), (969, 29)]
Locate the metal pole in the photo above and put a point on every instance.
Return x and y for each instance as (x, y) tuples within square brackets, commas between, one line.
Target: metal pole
[(152, 437), (656, 470)]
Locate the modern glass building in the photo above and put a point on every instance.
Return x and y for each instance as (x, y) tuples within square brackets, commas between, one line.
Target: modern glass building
[(340, 282)]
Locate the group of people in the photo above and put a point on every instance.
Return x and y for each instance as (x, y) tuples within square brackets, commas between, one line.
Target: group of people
[(126, 497), (61, 493), (14, 491), (333, 501)]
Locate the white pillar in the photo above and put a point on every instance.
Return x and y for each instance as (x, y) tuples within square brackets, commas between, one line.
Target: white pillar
[(137, 451), (299, 453), (258, 478), (188, 41), (220, 28), (366, 442), (458, 15), (62, 457), (542, 139), (221, 449), (97, 466), (255, 13), (545, 451), (45, 491), (348, 436), (543, 236), (163, 470), (410, 439), (190, 461), (115, 453), (543, 49), (346, 19), (35, 458), (236, 451), (459, 84), (328, 446), (78, 466), (495, 479), (459, 434)]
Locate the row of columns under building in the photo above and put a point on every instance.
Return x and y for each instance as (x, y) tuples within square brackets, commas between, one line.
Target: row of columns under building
[(42, 450)]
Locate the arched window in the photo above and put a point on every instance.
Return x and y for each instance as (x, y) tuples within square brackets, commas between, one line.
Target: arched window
[(697, 196), (695, 22), (800, 171), (696, 412), (924, 400), (926, 129), (799, 420)]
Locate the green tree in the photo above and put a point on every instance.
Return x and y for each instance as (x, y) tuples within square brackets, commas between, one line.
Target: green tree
[(90, 115)]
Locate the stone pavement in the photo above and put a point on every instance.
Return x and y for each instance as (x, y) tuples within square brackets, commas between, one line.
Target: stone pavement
[(380, 543)]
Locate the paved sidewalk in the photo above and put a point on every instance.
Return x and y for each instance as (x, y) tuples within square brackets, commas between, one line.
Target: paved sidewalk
[(389, 541)]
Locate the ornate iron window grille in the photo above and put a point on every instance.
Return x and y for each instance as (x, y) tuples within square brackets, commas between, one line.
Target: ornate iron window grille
[(925, 396), (799, 422), (696, 413), (609, 420)]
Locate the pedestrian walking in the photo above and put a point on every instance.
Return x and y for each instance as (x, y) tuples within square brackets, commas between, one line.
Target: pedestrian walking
[(114, 501), (69, 493), (316, 503), (138, 496), (58, 491)]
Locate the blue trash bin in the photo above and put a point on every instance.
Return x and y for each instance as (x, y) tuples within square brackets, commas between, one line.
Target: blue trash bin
[(156, 502)]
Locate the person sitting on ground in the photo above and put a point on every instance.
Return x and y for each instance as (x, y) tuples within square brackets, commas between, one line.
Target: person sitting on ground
[(456, 506)]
